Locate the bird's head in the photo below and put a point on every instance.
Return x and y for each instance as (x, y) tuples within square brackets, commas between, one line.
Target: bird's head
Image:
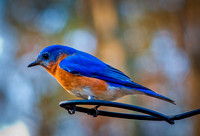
[(50, 56)]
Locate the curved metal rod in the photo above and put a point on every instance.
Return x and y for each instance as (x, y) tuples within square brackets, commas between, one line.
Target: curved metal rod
[(151, 115), (154, 115), (185, 115)]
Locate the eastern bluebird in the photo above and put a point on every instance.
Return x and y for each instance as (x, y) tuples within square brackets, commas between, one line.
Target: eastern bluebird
[(87, 77)]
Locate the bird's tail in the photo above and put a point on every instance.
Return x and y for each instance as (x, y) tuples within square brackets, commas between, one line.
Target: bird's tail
[(148, 92)]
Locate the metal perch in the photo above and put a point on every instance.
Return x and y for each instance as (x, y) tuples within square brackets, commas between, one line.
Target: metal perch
[(71, 107)]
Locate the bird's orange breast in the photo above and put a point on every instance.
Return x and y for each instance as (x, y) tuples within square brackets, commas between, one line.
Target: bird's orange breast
[(73, 83)]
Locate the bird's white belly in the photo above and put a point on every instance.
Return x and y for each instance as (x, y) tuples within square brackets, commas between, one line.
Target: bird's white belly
[(112, 93)]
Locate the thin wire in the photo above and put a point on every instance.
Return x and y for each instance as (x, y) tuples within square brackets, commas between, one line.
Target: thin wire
[(151, 115)]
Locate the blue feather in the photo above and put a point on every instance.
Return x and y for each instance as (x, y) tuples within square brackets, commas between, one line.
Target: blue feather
[(87, 65), (90, 66)]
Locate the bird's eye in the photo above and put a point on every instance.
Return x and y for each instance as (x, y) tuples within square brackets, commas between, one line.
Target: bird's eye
[(45, 56)]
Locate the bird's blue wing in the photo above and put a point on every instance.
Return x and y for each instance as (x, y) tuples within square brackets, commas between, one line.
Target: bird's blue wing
[(87, 65)]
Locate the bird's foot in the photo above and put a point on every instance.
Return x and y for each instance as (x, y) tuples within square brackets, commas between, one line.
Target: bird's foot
[(90, 97)]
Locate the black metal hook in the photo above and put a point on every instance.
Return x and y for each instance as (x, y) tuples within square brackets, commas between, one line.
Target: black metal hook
[(71, 109), (151, 115)]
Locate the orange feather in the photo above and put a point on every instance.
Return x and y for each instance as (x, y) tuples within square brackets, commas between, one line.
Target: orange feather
[(72, 82)]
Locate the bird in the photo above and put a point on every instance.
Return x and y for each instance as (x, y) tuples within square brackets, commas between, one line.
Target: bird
[(85, 76)]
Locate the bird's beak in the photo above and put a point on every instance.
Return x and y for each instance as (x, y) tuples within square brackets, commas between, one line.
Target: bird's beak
[(34, 63)]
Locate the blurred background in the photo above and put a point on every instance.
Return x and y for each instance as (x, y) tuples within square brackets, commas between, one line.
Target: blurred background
[(155, 42)]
